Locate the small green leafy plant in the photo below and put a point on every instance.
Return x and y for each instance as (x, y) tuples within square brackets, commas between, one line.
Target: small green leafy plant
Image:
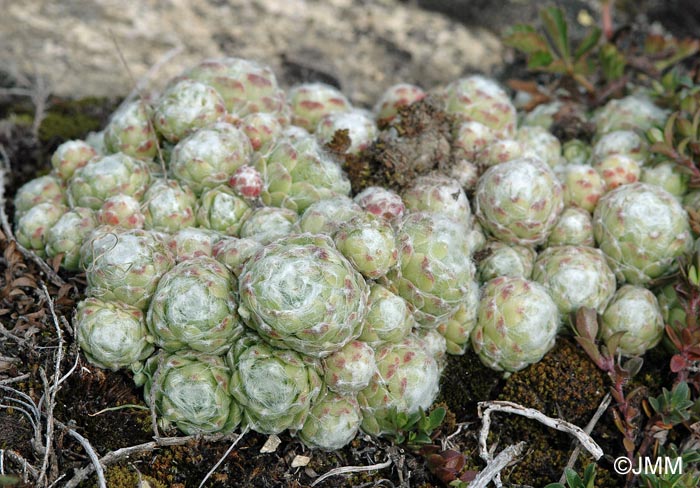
[(415, 429), (551, 51), (573, 480)]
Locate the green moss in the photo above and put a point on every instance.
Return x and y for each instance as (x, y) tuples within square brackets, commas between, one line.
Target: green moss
[(126, 477), (74, 119), (565, 384)]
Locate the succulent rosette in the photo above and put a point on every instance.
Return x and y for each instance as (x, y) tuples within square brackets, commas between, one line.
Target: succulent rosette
[(435, 267), (234, 252), (192, 392), (482, 100), (499, 151), (298, 172), (642, 229), (517, 324), (126, 266), (582, 186), (327, 215), (266, 224), (369, 243), (131, 132), (434, 344), (625, 142), (44, 189), (246, 86), (301, 293), (70, 156), (194, 307), (542, 115), (121, 211), (209, 156), (220, 209), (168, 206), (438, 193), (112, 335), (470, 139), (501, 259), (189, 243), (407, 380), (185, 107), (457, 328), (332, 423), (247, 182), (263, 129), (33, 226), (635, 311), (67, 235), (634, 112), (519, 201), (476, 238), (349, 369), (575, 277), (618, 169), (576, 151), (667, 176), (466, 173), (107, 176), (309, 102), (574, 228), (381, 202), (359, 123), (539, 142), (691, 200), (275, 387), (394, 99), (388, 318)]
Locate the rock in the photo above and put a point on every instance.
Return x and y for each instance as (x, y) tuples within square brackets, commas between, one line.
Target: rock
[(362, 47)]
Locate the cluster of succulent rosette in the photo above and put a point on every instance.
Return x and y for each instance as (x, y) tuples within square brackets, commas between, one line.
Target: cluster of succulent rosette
[(232, 267)]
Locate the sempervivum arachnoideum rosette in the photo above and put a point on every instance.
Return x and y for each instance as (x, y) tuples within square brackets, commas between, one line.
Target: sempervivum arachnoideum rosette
[(299, 292), (642, 229), (519, 201), (434, 268)]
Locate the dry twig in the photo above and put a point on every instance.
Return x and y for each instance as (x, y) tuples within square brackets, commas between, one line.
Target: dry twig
[(116, 456), (486, 408), (351, 469), (589, 428), (495, 466), (17, 458), (228, 451)]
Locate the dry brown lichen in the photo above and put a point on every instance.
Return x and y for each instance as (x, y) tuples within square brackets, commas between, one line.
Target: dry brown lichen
[(417, 142)]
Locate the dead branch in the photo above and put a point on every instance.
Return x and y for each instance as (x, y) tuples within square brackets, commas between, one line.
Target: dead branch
[(123, 453), (589, 428), (17, 458), (228, 451), (351, 469), (101, 483), (51, 388), (486, 408), (496, 465), (17, 379)]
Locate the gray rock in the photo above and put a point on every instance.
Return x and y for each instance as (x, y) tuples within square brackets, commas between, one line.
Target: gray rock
[(360, 46)]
